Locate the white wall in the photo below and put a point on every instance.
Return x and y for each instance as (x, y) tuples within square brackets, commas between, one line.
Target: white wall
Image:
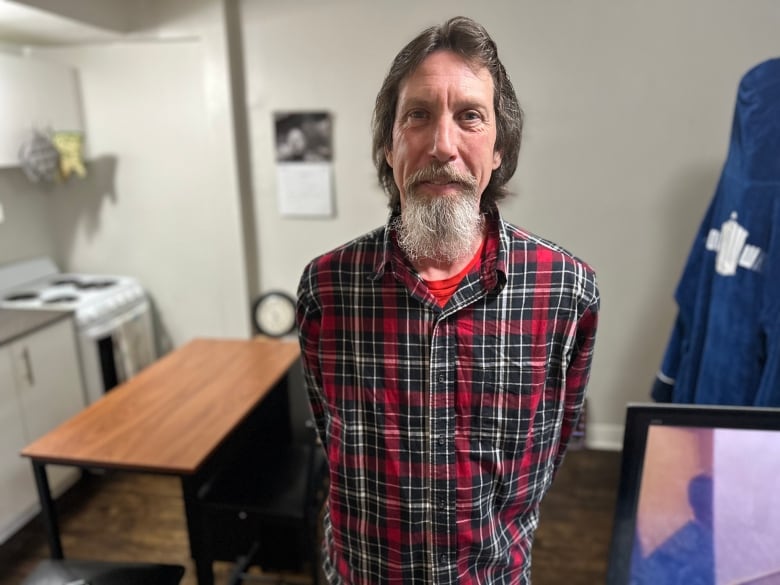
[(25, 231), (628, 109)]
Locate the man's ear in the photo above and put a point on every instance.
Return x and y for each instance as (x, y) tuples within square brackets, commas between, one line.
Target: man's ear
[(496, 159), (389, 157)]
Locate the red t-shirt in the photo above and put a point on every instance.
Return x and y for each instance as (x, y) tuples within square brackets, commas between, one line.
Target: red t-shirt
[(444, 289)]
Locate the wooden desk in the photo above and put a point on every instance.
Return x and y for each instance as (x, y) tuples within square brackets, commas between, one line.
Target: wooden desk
[(171, 418)]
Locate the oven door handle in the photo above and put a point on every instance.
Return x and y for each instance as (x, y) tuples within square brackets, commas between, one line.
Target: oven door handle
[(107, 326)]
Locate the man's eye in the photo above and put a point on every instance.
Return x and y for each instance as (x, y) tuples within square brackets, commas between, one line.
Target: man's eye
[(418, 115), (471, 116)]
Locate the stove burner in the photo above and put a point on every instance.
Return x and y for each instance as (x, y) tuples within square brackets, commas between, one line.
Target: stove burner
[(22, 296), (83, 284), (66, 281), (61, 299), (98, 283)]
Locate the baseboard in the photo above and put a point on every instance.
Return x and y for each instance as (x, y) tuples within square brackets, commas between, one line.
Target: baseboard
[(604, 437), (20, 518)]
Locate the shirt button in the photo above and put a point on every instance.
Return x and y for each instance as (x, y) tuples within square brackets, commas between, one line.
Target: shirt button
[(441, 378), (442, 558), (442, 504), (441, 440)]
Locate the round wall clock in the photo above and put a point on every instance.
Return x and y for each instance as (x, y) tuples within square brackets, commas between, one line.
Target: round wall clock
[(274, 314)]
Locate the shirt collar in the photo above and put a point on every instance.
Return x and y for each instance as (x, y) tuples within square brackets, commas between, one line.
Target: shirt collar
[(389, 249)]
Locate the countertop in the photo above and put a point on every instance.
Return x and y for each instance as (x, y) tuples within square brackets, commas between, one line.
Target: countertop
[(18, 322)]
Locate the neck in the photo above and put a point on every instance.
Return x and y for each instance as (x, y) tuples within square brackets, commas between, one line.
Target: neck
[(433, 269)]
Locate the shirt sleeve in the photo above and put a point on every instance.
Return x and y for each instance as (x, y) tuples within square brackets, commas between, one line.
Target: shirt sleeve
[(309, 318), (662, 389), (578, 372)]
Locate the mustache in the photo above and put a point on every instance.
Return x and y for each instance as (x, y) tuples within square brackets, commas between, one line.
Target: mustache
[(439, 172)]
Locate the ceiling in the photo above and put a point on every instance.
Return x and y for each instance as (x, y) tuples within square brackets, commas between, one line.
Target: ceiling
[(21, 24)]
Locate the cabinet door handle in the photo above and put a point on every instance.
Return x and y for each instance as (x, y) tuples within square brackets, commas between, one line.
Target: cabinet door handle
[(28, 366)]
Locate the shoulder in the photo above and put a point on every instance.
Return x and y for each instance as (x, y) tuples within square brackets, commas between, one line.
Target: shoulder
[(357, 256), (520, 239), (353, 251), (528, 252)]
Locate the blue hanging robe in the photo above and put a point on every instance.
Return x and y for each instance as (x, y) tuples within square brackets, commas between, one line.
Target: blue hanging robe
[(725, 344)]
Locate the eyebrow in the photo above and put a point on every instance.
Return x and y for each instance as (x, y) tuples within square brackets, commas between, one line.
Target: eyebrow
[(414, 102), (465, 104)]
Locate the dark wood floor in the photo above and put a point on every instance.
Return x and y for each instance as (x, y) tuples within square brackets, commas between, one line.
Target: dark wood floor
[(572, 542), (125, 516)]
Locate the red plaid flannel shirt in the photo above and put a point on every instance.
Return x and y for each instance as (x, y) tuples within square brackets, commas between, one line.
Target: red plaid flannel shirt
[(443, 427)]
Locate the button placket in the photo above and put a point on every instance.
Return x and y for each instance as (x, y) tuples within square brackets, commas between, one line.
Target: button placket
[(443, 358)]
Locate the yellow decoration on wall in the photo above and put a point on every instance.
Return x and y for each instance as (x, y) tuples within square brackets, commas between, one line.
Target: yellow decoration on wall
[(70, 146)]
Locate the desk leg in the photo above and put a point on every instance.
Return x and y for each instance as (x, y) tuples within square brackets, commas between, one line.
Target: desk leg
[(48, 513), (203, 563)]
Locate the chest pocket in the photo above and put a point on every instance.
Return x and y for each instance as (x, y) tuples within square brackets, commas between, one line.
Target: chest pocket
[(503, 403)]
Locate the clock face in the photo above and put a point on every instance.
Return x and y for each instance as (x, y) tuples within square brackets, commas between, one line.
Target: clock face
[(274, 314)]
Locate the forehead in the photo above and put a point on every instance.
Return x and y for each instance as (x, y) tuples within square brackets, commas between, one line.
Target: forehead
[(445, 71)]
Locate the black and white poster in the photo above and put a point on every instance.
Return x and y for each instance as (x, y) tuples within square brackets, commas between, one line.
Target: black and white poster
[(304, 163)]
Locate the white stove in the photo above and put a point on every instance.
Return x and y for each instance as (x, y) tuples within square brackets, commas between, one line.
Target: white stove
[(111, 314), (90, 297)]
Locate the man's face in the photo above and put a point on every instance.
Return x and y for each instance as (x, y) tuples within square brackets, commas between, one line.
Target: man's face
[(444, 117)]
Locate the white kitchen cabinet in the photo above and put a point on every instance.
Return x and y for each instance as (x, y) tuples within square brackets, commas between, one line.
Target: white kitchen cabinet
[(15, 472), (40, 387), (35, 93)]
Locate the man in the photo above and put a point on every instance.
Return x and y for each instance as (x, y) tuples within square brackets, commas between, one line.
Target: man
[(446, 354)]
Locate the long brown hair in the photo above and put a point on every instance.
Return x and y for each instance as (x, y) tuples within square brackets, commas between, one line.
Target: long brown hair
[(470, 40)]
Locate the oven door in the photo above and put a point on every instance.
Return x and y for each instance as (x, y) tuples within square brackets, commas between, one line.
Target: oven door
[(116, 349)]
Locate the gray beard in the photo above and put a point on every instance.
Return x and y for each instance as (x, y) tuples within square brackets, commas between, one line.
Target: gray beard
[(440, 228)]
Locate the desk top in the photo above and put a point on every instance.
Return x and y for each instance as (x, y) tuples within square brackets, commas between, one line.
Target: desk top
[(171, 416)]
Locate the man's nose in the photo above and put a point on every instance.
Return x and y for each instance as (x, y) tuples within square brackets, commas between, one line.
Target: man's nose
[(443, 140)]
